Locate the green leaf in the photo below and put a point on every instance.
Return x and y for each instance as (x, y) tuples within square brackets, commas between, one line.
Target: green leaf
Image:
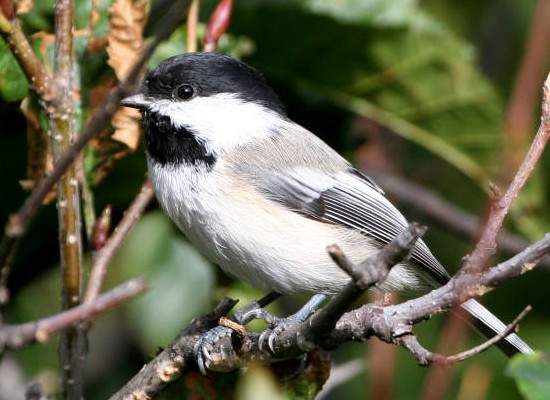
[(372, 12), (13, 84), (532, 374), (414, 78), (180, 281)]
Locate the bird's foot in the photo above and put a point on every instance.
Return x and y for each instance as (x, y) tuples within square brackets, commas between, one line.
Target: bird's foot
[(279, 325), (204, 346), (206, 343)]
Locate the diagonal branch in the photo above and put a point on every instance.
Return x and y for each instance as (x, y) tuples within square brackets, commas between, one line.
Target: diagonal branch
[(40, 80), (19, 336), (486, 246), (442, 212), (104, 256), (167, 366), (18, 223), (365, 275)]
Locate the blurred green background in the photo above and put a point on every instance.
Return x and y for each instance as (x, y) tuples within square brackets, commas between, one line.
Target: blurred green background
[(419, 88)]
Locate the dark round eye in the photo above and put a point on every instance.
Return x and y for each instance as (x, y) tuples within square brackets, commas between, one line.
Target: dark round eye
[(184, 92)]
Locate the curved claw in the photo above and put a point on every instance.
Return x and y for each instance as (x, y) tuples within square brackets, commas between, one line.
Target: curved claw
[(206, 343), (271, 334)]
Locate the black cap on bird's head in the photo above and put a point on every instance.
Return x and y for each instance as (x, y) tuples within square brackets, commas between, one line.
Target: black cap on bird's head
[(197, 106), (191, 75)]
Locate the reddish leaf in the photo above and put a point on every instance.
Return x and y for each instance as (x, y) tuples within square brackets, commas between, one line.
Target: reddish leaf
[(218, 24), (7, 9)]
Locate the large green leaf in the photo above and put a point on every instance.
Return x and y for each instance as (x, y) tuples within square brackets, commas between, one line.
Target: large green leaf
[(532, 374), (13, 84), (180, 281), (409, 75)]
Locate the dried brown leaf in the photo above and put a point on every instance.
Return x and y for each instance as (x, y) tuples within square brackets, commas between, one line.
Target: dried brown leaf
[(124, 44), (126, 124), (125, 36), (23, 6), (106, 150)]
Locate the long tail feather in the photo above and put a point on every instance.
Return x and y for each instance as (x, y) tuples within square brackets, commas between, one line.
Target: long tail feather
[(489, 325)]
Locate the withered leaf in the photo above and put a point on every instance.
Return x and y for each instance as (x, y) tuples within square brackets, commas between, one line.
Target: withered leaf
[(124, 44)]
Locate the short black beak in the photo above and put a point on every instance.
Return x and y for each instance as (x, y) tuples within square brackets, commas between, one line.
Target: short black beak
[(137, 100)]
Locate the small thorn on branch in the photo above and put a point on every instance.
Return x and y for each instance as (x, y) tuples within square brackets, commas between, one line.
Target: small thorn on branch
[(102, 227)]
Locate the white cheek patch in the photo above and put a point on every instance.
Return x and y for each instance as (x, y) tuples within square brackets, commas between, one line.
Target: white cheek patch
[(222, 121)]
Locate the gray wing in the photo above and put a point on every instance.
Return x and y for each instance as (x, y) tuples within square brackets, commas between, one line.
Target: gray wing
[(347, 198)]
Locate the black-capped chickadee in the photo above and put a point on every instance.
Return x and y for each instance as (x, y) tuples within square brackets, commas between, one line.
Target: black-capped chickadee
[(260, 195)]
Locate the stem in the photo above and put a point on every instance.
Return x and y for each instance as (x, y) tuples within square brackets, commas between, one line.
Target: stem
[(192, 21), (72, 346), (486, 246), (524, 97), (104, 256), (38, 77)]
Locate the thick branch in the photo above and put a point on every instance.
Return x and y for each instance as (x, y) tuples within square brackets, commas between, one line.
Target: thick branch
[(72, 345), (169, 364)]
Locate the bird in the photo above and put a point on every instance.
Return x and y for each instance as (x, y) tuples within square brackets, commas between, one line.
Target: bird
[(260, 195)]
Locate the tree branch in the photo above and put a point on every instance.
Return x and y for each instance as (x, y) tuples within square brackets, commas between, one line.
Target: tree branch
[(486, 246), (392, 324), (365, 275), (177, 357), (40, 80), (443, 213), (19, 336), (104, 256)]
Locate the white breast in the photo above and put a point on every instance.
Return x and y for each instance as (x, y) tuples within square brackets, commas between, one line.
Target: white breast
[(253, 239)]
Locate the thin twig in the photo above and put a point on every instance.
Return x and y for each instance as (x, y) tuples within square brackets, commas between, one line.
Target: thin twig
[(488, 343), (18, 336), (525, 92), (104, 256), (486, 246), (426, 357)]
